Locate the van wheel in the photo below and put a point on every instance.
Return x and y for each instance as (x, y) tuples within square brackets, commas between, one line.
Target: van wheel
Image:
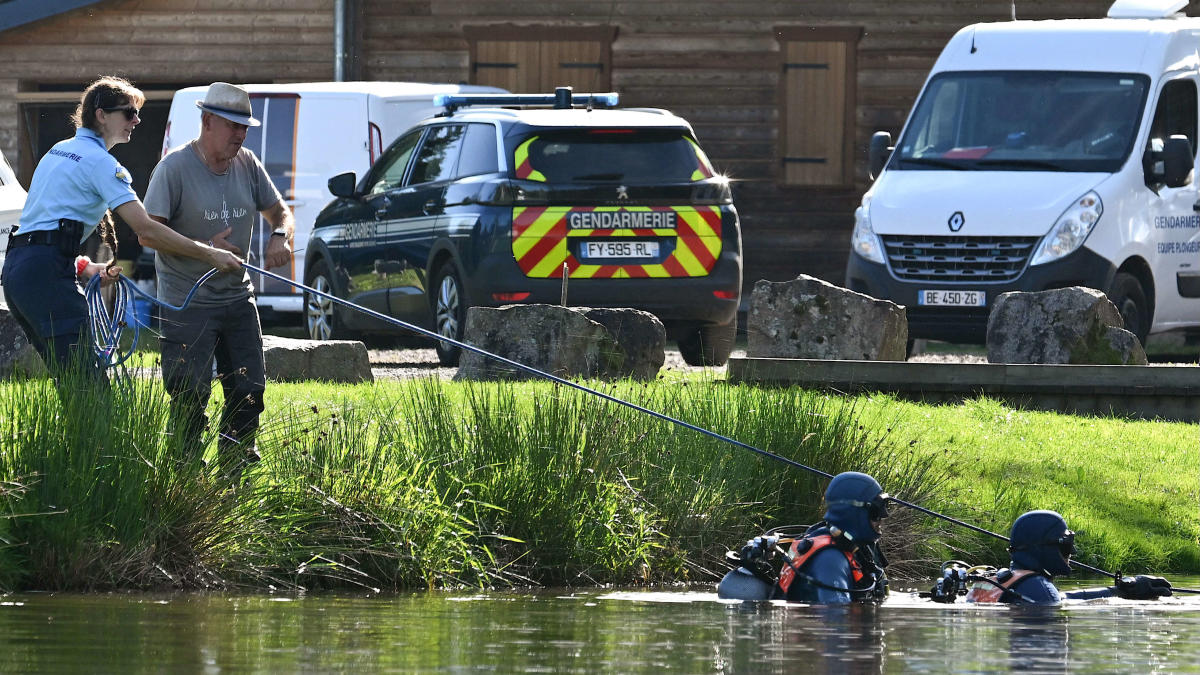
[(708, 345), (322, 320), (1127, 294), (449, 312)]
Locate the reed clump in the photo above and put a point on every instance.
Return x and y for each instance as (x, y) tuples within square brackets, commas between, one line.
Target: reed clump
[(422, 484)]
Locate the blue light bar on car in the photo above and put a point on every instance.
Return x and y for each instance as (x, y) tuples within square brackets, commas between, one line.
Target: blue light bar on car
[(561, 98)]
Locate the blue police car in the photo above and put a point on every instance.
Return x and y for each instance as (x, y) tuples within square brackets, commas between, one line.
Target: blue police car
[(488, 205)]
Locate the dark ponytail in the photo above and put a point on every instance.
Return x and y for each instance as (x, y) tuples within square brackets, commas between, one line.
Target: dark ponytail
[(109, 91)]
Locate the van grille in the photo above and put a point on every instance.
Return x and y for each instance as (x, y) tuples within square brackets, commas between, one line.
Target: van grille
[(933, 258)]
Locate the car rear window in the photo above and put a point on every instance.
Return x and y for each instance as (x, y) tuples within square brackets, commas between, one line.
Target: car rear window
[(630, 156)]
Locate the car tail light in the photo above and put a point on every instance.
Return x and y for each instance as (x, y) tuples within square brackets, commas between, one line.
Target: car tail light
[(510, 297), (726, 295), (712, 191)]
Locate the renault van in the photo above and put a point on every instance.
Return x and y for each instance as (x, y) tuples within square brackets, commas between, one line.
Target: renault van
[(12, 200), (310, 132), (1041, 155)]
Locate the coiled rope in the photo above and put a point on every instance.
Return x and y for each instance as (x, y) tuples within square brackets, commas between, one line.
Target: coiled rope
[(108, 327)]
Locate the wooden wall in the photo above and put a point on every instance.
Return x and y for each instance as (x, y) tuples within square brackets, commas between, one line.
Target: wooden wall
[(715, 62), (161, 45)]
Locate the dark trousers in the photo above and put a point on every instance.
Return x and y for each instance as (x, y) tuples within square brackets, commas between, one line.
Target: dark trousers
[(44, 297), (190, 340)]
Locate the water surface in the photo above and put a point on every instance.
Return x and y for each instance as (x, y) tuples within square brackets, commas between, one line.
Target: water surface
[(620, 631)]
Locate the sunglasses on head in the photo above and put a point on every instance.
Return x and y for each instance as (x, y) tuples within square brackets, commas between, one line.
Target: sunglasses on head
[(130, 111)]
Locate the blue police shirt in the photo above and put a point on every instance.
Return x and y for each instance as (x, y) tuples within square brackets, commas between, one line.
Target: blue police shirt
[(79, 180)]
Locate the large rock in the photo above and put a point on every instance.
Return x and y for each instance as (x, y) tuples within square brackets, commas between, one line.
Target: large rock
[(1067, 325), (807, 318), (17, 356), (641, 337), (292, 360), (562, 341)]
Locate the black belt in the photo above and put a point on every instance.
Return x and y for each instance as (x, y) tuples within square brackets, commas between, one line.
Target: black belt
[(66, 236)]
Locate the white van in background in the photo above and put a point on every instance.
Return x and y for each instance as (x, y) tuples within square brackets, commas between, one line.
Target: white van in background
[(311, 132), (12, 200), (1041, 155)]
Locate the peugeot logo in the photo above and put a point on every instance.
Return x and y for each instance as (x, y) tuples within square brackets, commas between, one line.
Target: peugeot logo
[(956, 221), (622, 192)]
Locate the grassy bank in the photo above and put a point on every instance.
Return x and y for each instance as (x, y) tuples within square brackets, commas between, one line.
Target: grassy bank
[(425, 483)]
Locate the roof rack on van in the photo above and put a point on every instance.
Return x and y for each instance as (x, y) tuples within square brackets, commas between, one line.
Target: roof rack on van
[(562, 98)]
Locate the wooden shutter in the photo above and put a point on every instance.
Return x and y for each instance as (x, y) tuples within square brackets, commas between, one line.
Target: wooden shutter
[(536, 60), (817, 113), (579, 65), (510, 65)]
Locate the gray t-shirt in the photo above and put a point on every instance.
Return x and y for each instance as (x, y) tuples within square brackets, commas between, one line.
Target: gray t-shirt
[(200, 204)]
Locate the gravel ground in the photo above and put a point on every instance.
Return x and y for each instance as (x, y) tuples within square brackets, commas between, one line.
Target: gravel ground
[(398, 364)]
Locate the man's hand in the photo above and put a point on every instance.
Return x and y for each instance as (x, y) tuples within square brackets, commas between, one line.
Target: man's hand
[(1143, 587), (224, 260), (279, 252), (221, 240)]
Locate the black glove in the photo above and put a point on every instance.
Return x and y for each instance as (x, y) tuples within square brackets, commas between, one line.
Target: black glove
[(1143, 587)]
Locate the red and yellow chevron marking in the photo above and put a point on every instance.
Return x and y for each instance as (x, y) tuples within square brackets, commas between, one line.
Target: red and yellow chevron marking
[(524, 169), (540, 238), (703, 168)]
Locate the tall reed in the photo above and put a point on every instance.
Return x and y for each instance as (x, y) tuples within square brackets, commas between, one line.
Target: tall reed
[(421, 484)]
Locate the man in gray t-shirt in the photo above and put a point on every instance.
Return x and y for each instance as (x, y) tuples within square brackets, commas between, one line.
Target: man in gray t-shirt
[(211, 190)]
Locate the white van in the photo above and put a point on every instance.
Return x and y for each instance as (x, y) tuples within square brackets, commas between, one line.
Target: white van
[(1039, 155), (311, 132), (12, 200)]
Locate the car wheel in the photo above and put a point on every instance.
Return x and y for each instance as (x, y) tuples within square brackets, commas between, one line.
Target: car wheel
[(322, 320), (449, 312), (708, 345), (1129, 297)]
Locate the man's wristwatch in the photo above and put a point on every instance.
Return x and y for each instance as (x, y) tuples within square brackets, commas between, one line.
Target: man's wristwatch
[(280, 233)]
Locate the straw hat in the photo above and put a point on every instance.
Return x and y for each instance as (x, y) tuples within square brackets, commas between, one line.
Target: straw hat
[(229, 101)]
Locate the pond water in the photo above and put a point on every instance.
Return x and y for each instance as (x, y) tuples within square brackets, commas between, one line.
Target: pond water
[(619, 631)]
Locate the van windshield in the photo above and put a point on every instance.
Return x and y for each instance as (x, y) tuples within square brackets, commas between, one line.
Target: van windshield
[(1024, 121)]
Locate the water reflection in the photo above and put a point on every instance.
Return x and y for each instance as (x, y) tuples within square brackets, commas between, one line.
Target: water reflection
[(586, 632)]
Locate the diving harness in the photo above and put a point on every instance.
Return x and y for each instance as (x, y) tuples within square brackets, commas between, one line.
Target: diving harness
[(776, 559)]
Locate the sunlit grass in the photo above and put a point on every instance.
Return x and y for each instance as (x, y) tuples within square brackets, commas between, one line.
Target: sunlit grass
[(1130, 488)]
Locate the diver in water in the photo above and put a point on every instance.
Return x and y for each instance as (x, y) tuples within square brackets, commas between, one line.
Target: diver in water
[(1041, 547), (835, 561)]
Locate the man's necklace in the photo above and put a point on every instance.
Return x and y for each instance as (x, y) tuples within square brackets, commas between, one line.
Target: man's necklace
[(196, 144)]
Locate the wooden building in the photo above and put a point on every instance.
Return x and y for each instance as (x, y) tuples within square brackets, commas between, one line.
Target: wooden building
[(784, 94)]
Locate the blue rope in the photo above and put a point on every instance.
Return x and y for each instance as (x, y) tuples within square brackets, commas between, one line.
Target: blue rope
[(113, 325), (108, 327)]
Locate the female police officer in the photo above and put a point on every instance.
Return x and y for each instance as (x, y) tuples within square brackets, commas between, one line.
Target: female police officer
[(73, 187)]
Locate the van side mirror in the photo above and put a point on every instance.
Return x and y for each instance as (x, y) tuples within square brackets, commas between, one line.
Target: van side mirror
[(1177, 161), (1168, 164), (879, 152), (342, 185)]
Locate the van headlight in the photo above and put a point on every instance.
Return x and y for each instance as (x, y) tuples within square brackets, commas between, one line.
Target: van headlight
[(1071, 229), (864, 240)]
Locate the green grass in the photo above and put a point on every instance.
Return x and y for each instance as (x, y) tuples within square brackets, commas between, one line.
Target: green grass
[(433, 484), (1129, 488)]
